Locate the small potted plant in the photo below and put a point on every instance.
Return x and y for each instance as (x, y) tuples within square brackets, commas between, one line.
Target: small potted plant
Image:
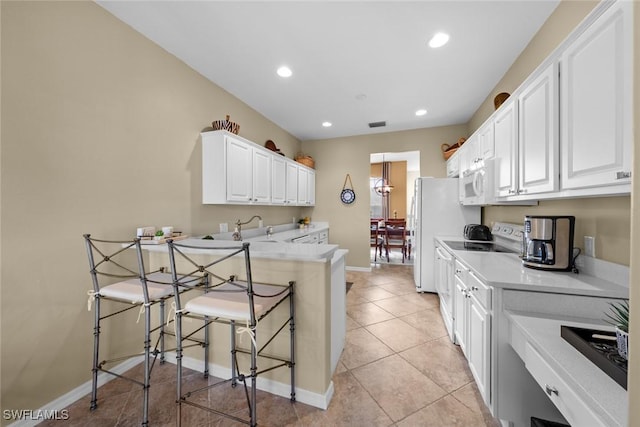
[(619, 317)]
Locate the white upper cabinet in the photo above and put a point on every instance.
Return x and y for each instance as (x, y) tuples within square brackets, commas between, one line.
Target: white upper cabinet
[(278, 180), (291, 197), (312, 187), (485, 144), (596, 82), (506, 149), (238, 164), (261, 176), (237, 171), (303, 186), (538, 150)]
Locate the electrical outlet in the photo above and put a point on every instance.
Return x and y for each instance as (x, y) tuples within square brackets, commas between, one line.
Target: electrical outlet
[(224, 227), (590, 246)]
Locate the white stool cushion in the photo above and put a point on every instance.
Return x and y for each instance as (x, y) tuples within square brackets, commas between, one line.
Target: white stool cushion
[(235, 305), (131, 290)]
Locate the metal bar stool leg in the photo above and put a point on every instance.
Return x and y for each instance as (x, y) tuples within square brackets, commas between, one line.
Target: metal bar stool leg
[(254, 370), (147, 365), (96, 347), (234, 376), (206, 346), (162, 324), (178, 369), (292, 330)]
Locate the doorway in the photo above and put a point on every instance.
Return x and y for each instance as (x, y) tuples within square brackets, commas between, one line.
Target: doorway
[(391, 190)]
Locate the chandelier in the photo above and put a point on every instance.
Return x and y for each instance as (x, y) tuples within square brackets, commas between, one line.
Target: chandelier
[(383, 187)]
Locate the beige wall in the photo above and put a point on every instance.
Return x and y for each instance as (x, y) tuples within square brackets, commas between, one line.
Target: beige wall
[(335, 158), (100, 133)]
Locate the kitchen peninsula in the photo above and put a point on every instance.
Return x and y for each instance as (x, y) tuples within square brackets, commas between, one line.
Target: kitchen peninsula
[(319, 273)]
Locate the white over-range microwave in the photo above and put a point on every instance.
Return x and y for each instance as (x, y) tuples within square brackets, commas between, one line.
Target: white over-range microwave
[(477, 186)]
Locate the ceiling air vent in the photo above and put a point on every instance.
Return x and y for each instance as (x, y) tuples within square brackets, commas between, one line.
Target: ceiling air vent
[(377, 124)]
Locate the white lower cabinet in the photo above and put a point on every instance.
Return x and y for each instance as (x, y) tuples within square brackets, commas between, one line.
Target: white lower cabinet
[(479, 340), (473, 326), (565, 399)]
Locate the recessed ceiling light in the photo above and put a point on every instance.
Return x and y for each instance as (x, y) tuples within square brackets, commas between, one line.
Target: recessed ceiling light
[(421, 112), (439, 40), (284, 71), (327, 124)]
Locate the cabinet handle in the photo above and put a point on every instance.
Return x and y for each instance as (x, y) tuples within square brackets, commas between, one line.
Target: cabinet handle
[(512, 191), (474, 288), (550, 390), (458, 271), (623, 175), (522, 190)]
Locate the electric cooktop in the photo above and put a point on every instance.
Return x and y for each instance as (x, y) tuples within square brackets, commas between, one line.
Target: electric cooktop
[(477, 246)]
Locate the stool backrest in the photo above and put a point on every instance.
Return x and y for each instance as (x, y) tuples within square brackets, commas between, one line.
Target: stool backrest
[(218, 265), (112, 261)]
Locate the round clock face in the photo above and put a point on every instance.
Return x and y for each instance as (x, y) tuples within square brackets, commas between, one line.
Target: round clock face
[(347, 196)]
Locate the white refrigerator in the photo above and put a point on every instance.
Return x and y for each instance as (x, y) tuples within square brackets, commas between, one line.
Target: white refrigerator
[(437, 212)]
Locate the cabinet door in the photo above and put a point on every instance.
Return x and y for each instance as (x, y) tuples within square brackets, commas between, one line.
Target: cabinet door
[(292, 183), (303, 186), (278, 180), (596, 74), (261, 177), (239, 171), (478, 346), (460, 324), (486, 142), (538, 134), (312, 187), (506, 150)]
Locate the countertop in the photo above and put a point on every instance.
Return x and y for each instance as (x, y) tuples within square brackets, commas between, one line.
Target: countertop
[(276, 247), (505, 270), (605, 397)]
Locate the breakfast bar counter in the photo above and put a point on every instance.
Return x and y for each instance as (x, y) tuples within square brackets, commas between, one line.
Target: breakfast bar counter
[(319, 275)]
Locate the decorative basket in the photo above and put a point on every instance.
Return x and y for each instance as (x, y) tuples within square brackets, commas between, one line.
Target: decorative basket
[(306, 160), (449, 150), (226, 125), (499, 99)]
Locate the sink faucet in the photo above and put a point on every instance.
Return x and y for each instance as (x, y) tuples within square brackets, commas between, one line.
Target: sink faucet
[(237, 234)]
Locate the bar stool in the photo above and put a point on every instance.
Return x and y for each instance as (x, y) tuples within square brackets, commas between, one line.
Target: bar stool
[(234, 300), (118, 274)]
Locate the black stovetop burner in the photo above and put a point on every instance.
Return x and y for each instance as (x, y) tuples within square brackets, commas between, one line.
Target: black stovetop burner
[(602, 352), (477, 246)]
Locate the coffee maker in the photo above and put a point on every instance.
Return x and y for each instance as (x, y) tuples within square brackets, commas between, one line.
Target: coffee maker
[(548, 242)]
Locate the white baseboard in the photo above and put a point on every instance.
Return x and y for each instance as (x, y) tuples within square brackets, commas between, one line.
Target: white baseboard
[(317, 400), (364, 269), (74, 395)]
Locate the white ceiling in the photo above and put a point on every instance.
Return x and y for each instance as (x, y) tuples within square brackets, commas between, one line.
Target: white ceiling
[(353, 62)]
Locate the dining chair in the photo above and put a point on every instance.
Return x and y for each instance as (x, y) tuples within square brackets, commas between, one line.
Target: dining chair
[(121, 281), (396, 236), (376, 239), (231, 297)]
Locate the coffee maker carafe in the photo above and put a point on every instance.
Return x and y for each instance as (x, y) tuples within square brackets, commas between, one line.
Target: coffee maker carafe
[(548, 242)]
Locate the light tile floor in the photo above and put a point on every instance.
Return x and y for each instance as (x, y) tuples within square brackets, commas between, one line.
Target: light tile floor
[(398, 368)]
